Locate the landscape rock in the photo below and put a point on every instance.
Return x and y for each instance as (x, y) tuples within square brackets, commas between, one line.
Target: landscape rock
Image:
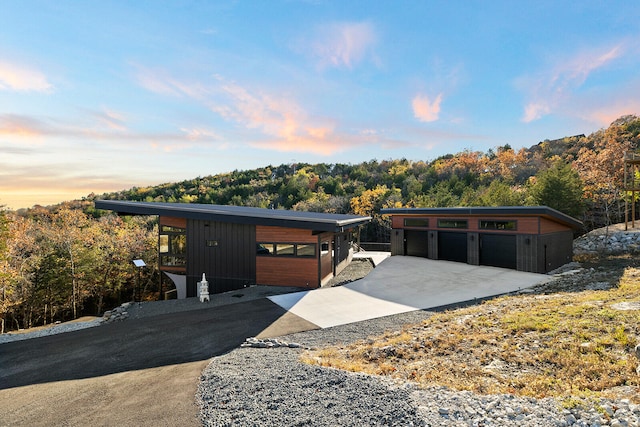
[(117, 314)]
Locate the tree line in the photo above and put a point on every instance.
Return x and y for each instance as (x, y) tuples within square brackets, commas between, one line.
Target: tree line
[(61, 262)]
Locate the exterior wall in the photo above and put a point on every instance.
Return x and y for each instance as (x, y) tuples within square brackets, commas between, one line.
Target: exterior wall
[(541, 243), (173, 222), (326, 257), (225, 252), (473, 249), (288, 271), (547, 226), (433, 245), (555, 250), (527, 253), (284, 235), (285, 271), (397, 242)]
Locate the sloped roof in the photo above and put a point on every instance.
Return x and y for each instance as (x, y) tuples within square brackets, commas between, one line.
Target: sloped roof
[(543, 211), (238, 214)]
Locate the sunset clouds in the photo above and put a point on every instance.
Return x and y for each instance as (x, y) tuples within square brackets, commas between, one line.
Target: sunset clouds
[(21, 78)]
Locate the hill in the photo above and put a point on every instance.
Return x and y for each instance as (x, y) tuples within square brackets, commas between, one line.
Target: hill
[(501, 176)]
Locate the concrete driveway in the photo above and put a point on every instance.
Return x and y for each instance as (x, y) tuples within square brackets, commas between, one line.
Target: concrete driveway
[(401, 284)]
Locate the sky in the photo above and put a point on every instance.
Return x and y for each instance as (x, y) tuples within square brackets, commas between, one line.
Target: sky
[(100, 96)]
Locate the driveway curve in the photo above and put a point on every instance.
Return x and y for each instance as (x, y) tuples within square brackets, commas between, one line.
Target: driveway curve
[(139, 372)]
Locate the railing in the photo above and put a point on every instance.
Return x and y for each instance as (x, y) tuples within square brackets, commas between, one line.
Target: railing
[(374, 247)]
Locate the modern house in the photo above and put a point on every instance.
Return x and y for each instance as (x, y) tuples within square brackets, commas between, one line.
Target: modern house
[(536, 239), (238, 246)]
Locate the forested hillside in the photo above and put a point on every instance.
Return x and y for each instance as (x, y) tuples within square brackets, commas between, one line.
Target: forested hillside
[(579, 175), (61, 262)]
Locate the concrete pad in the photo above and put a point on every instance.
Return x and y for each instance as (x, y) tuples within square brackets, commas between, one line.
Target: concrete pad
[(401, 284)]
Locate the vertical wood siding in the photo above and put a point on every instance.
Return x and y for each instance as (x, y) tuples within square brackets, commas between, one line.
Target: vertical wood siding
[(225, 252)]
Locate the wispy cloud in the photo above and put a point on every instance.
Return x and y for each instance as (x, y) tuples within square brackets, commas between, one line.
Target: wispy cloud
[(284, 124), (18, 77), (106, 126), (426, 110), (550, 89), (280, 121), (341, 44)]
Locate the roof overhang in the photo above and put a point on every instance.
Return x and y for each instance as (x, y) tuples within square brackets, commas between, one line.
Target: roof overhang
[(238, 215), (541, 211)]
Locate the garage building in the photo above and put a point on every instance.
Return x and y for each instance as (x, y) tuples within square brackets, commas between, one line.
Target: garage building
[(535, 239), (237, 246)]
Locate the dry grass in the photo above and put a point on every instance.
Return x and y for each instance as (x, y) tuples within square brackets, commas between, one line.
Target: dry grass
[(565, 345)]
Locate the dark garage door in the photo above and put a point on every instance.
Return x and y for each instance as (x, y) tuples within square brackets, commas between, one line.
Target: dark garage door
[(416, 243), (452, 246), (498, 250)]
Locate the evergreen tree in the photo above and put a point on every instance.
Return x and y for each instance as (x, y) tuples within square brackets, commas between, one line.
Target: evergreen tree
[(558, 187)]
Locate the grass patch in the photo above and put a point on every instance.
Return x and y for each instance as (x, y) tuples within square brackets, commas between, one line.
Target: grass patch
[(566, 345)]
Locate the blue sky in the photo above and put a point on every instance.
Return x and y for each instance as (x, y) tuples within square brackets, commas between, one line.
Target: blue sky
[(99, 96)]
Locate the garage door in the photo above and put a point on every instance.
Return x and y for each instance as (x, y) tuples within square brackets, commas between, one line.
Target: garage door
[(452, 246), (416, 243), (498, 250)]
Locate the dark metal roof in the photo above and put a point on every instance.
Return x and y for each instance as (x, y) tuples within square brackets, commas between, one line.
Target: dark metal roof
[(238, 214), (544, 211)]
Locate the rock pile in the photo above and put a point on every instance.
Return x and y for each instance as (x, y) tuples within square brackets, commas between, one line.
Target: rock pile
[(117, 314), (613, 240), (270, 343)]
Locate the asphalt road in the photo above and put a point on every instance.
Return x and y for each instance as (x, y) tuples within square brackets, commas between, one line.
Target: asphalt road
[(131, 372)]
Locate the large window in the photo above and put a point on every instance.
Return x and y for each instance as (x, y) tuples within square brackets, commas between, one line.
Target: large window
[(172, 245), (301, 250)]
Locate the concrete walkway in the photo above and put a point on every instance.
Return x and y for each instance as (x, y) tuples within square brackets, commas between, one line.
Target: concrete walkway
[(401, 284)]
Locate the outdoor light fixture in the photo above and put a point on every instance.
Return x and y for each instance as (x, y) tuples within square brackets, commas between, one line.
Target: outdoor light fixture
[(139, 264)]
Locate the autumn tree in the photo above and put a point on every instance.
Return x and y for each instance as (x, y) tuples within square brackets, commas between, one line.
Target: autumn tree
[(369, 203), (600, 164)]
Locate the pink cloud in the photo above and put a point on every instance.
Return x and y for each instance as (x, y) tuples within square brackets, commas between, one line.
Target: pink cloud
[(426, 110), (21, 78), (550, 90), (282, 123)]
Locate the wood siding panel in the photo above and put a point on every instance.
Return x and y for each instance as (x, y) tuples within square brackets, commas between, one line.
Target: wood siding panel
[(397, 242), (285, 235), (433, 245), (556, 250), (173, 222), (285, 271), (473, 249), (547, 226), (527, 254)]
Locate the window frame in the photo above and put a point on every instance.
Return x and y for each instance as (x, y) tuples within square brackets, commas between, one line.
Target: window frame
[(272, 247), (168, 255), (510, 221), (442, 223), (418, 219)]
